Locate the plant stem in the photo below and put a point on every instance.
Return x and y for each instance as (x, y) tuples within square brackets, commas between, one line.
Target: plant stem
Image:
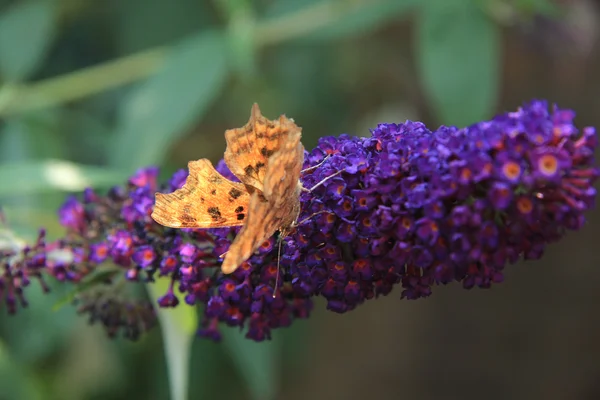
[(80, 84), (21, 98)]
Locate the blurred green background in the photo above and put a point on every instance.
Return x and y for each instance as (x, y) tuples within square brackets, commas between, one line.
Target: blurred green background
[(92, 90)]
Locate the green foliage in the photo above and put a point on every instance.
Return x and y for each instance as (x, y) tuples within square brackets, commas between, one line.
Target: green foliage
[(91, 91), (352, 18), (258, 363), (156, 114), (26, 32), (533, 7), (38, 176), (178, 327), (458, 53)]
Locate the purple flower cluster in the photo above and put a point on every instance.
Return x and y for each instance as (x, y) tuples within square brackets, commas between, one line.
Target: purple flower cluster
[(20, 266), (420, 208), (412, 207)]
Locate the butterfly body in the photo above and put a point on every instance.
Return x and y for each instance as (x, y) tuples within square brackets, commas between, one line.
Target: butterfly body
[(267, 157)]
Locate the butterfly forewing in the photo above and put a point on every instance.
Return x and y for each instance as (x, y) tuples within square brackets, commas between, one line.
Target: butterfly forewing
[(250, 147)]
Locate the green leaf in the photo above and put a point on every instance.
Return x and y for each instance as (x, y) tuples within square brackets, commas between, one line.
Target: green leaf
[(26, 32), (16, 146), (36, 176), (134, 21), (30, 346), (158, 112), (543, 7), (257, 362), (242, 46), (178, 326), (458, 55), (15, 141), (362, 18), (337, 19), (16, 380)]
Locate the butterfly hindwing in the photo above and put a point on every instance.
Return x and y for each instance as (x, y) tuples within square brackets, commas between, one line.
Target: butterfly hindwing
[(261, 225), (276, 210), (206, 200), (282, 180)]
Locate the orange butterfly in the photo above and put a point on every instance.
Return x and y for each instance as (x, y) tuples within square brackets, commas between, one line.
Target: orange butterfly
[(267, 158)]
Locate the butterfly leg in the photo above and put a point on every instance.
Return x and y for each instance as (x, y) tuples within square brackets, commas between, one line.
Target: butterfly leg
[(317, 165)]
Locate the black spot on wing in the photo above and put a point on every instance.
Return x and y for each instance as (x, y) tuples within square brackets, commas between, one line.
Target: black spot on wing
[(214, 213), (234, 193), (266, 152), (241, 216), (239, 209)]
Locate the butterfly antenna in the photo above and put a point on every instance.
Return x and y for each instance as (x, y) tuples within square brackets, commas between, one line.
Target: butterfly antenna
[(279, 239), (302, 222), (316, 165), (322, 181)]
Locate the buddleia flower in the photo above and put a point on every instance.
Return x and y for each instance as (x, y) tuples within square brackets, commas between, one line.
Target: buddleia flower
[(412, 209)]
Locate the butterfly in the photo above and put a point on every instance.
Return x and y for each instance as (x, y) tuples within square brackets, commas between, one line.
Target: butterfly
[(267, 157)]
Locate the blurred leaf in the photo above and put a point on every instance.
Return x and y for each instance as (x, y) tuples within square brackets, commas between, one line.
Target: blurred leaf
[(87, 133), (28, 345), (33, 135), (289, 68), (16, 382), (257, 362), (26, 32), (458, 54), (25, 219), (157, 113), (279, 8), (16, 146), (37, 176), (242, 44), (15, 141), (544, 7), (212, 367), (295, 349), (337, 19), (46, 133), (360, 19), (178, 326), (135, 22)]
